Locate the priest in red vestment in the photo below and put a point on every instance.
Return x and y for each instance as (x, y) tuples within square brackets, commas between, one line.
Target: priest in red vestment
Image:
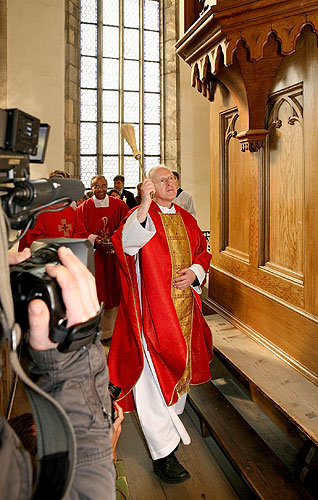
[(101, 215), (60, 224), (161, 342)]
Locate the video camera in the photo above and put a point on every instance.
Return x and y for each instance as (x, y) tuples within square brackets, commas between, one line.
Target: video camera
[(22, 200)]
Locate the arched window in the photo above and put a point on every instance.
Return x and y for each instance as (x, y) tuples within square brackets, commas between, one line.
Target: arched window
[(120, 83)]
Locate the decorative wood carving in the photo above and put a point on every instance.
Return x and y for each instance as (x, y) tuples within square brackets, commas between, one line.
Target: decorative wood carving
[(284, 185), (247, 41)]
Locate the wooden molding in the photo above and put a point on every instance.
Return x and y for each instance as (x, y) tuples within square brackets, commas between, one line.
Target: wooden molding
[(245, 40)]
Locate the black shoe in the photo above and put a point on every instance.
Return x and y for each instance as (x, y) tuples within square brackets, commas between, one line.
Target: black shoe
[(170, 470)]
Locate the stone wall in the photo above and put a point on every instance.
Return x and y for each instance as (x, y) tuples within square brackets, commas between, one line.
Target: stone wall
[(72, 86), (170, 68)]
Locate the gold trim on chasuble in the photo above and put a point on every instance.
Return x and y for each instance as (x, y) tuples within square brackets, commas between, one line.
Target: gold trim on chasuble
[(180, 253)]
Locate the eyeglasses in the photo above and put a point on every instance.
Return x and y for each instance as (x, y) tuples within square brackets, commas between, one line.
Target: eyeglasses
[(164, 180), (103, 186)]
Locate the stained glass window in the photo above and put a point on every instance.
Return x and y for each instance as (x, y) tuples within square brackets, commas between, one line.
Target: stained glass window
[(120, 83)]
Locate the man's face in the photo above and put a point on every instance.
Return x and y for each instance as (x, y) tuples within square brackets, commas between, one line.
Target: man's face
[(166, 187), (118, 185), (99, 188)]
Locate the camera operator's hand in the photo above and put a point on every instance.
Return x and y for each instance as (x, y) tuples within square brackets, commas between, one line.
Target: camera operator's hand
[(116, 427), (17, 257), (79, 296)]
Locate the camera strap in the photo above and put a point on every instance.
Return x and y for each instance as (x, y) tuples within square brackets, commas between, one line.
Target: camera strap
[(56, 445)]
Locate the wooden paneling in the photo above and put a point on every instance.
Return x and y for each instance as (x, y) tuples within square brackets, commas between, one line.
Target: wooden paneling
[(191, 12), (285, 201), (286, 331), (235, 175), (264, 213)]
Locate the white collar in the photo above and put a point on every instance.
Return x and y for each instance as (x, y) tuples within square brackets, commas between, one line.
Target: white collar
[(104, 203), (166, 210)]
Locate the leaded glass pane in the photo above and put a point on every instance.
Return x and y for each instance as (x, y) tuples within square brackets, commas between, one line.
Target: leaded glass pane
[(110, 41), (131, 13), (88, 11), (88, 169), (89, 72), (110, 73), (127, 148), (151, 161), (131, 107), (151, 15), (152, 77), (89, 105), (110, 106), (110, 169), (88, 139), (88, 40), (131, 44), (110, 139), (151, 46), (131, 75), (152, 139), (152, 108), (111, 12), (131, 171), (110, 83)]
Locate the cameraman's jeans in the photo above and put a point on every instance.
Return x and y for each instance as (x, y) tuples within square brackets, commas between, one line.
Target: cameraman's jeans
[(79, 382)]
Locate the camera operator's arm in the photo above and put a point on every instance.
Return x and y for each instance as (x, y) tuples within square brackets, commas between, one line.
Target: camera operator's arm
[(78, 380)]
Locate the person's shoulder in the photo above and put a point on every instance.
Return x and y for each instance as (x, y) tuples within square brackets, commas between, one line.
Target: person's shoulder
[(184, 213), (128, 194), (86, 204), (116, 202), (185, 194)]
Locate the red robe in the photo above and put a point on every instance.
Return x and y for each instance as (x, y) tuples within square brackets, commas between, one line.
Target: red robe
[(104, 221), (62, 224), (159, 321)]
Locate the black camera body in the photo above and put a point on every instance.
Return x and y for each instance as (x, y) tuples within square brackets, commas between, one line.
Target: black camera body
[(22, 200), (29, 280)]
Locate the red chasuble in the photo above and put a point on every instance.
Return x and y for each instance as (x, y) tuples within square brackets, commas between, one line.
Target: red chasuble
[(62, 224), (104, 221), (161, 326)]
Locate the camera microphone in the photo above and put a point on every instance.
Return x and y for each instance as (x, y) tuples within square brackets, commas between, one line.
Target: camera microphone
[(44, 191)]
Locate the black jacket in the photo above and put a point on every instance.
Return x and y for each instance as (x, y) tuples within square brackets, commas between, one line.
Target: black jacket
[(130, 199)]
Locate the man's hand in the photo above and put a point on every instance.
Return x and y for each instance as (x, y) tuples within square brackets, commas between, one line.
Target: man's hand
[(147, 189), (17, 257), (79, 296), (116, 427), (186, 278)]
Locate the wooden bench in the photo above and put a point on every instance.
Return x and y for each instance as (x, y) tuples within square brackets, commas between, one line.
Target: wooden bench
[(250, 456), (286, 389), (281, 385)]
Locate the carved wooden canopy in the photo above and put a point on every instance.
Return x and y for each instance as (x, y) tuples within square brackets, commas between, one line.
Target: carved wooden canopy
[(241, 44)]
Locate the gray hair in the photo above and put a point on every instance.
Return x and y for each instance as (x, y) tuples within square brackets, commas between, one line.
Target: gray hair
[(153, 170)]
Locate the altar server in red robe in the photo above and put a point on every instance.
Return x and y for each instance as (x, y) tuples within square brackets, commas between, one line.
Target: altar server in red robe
[(101, 216), (161, 342), (56, 224), (62, 224)]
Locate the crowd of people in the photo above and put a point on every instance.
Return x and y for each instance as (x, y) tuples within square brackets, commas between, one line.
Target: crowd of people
[(150, 260)]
